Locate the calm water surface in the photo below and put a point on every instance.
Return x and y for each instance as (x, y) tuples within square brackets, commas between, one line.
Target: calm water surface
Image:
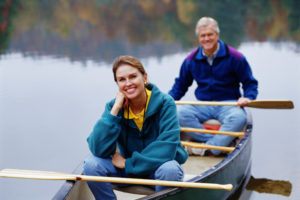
[(55, 77), (48, 107)]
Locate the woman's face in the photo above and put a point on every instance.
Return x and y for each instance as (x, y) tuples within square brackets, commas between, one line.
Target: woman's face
[(130, 81)]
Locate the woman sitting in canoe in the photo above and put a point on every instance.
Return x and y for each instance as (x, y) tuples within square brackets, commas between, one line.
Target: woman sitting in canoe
[(141, 121)]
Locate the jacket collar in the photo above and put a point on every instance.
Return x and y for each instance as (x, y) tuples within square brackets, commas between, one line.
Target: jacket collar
[(155, 101)]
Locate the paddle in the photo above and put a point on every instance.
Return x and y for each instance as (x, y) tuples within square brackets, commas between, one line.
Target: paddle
[(45, 175), (206, 146), (267, 104), (197, 130)]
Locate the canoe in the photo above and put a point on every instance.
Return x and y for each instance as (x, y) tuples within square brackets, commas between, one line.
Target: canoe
[(234, 168)]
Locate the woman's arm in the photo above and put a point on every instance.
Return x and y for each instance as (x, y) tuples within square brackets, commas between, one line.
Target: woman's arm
[(102, 140)]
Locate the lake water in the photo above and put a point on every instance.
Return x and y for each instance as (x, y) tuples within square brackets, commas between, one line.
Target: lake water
[(55, 79), (49, 106)]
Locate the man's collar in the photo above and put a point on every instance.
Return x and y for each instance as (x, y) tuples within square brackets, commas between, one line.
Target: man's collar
[(220, 53)]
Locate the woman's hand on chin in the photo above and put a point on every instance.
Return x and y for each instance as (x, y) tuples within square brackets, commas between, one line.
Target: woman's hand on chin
[(120, 101)]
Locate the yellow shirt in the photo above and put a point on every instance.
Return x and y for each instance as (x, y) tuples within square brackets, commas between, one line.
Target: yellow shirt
[(138, 118)]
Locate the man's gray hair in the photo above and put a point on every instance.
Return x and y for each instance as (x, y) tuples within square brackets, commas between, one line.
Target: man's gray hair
[(207, 21)]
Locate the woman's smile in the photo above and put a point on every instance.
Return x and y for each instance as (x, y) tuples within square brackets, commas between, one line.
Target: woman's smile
[(130, 90)]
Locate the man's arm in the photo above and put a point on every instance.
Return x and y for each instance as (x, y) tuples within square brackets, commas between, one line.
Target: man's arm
[(182, 82), (249, 83)]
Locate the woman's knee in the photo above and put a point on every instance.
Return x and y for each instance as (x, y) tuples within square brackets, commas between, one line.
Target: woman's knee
[(170, 170), (93, 165)]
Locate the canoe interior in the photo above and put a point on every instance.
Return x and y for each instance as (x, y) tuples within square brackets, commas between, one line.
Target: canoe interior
[(234, 169)]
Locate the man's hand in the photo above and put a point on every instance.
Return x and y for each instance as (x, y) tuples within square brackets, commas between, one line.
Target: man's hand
[(242, 102), (118, 161)]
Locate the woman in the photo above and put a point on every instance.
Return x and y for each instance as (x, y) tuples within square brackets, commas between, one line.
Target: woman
[(141, 121)]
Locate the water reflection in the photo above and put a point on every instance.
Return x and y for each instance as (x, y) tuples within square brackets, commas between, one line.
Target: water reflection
[(263, 185), (100, 30)]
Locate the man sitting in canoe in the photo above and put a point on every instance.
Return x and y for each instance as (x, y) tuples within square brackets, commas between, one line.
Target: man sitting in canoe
[(218, 70), (142, 122)]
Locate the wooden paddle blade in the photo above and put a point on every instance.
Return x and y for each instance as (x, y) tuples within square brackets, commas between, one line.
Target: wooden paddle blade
[(267, 104), (32, 174), (271, 104)]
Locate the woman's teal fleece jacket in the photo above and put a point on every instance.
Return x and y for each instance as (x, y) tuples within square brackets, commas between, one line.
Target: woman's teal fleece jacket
[(145, 150)]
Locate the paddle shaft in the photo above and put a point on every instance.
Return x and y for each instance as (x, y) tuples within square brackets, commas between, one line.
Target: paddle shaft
[(44, 175), (197, 130), (205, 146), (267, 104)]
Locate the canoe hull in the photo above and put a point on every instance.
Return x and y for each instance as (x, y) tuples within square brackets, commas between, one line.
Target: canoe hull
[(235, 170)]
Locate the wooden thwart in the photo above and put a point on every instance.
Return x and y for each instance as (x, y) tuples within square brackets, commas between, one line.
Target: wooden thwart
[(197, 130), (267, 104), (45, 175), (206, 146)]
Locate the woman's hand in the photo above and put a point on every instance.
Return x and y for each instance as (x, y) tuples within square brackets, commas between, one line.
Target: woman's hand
[(119, 102), (118, 161)]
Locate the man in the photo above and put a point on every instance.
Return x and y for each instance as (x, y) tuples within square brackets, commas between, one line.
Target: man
[(219, 70)]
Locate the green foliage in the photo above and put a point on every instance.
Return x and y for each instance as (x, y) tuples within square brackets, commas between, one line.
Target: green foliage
[(8, 11), (92, 28), (294, 18)]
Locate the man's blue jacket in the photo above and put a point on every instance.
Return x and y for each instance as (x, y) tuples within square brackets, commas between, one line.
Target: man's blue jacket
[(218, 82)]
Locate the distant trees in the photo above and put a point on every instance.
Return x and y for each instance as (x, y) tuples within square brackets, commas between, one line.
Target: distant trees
[(102, 29)]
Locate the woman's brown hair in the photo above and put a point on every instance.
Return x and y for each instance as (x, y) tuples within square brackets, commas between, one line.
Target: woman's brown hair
[(128, 60)]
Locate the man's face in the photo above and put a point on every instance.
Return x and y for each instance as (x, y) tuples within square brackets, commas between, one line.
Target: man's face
[(208, 39)]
